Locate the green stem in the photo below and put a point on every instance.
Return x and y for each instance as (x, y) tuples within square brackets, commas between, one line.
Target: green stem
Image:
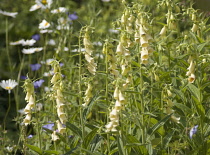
[(80, 86), (7, 47), (8, 109), (4, 121), (106, 94)]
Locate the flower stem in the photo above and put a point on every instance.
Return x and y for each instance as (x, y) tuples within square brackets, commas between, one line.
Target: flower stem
[(7, 47)]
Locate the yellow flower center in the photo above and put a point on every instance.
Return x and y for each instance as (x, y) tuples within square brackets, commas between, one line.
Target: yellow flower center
[(8, 88), (46, 24), (44, 2)]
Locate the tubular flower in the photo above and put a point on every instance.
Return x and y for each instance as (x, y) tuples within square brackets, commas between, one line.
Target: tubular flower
[(144, 38), (88, 53), (88, 95), (28, 87), (190, 72), (57, 88)]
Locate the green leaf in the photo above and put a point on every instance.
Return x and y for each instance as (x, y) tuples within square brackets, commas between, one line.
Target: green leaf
[(201, 46), (71, 151), (135, 144), (200, 109), (34, 148), (87, 109), (120, 146), (160, 130), (135, 64), (50, 152), (158, 125), (89, 137), (183, 107), (205, 85), (167, 139), (180, 94), (74, 129), (195, 92)]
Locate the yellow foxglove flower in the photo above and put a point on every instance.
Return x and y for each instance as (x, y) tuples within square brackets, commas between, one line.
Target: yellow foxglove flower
[(61, 129), (194, 28), (163, 31), (191, 78), (27, 119), (54, 136)]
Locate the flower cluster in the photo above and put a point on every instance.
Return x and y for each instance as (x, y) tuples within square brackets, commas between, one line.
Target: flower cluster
[(57, 88), (142, 36), (88, 53), (88, 95), (114, 114), (111, 58), (29, 88)]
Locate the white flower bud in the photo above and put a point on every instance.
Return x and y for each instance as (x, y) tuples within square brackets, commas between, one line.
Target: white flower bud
[(194, 28), (27, 119), (144, 42), (142, 31), (121, 97), (54, 136), (163, 31), (144, 54), (61, 129)]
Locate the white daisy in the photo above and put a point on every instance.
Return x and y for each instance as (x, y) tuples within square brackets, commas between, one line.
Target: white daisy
[(29, 42), (59, 10), (43, 4), (32, 50), (46, 31), (19, 42), (51, 42), (35, 7), (44, 24), (11, 14), (8, 84)]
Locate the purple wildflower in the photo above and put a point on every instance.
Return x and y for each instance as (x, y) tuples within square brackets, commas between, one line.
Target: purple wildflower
[(193, 131), (48, 126), (30, 136), (73, 16), (23, 77), (36, 37), (61, 64), (35, 67), (38, 83)]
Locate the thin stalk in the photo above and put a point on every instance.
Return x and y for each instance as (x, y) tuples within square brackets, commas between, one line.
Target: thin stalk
[(80, 86), (106, 95), (4, 122), (142, 104), (7, 47), (38, 127)]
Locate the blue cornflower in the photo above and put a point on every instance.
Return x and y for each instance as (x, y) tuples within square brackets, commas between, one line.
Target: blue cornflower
[(38, 83), (61, 64), (36, 37), (48, 126), (73, 16), (23, 77), (30, 136), (35, 67), (193, 131)]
